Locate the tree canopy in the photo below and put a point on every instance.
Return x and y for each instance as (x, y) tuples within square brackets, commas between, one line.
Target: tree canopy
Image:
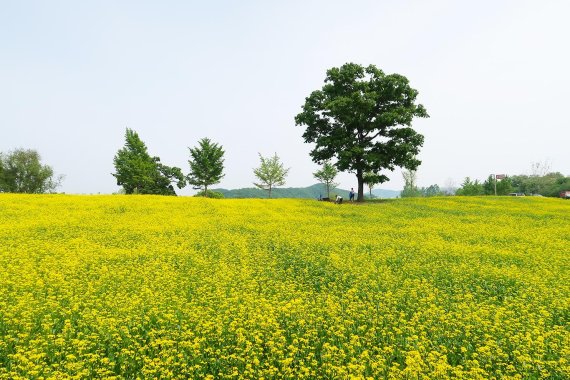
[(362, 118), (270, 173), (503, 186), (139, 173), (206, 165), (21, 171), (469, 187)]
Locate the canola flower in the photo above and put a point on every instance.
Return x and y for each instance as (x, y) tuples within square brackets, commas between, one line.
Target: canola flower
[(142, 287)]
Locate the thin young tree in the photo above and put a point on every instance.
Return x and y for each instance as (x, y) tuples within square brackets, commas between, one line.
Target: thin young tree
[(270, 173), (206, 165), (371, 180), (326, 176), (410, 187)]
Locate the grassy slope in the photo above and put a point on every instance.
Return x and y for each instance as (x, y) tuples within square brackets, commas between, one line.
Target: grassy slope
[(159, 286)]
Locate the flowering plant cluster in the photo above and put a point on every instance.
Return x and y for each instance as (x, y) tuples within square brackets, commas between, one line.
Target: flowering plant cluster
[(160, 287)]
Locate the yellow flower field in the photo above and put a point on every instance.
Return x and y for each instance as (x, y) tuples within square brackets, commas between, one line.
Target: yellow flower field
[(176, 287)]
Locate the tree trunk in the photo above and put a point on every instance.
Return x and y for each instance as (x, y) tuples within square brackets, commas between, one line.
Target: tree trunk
[(328, 191), (206, 191), (269, 191), (360, 178)]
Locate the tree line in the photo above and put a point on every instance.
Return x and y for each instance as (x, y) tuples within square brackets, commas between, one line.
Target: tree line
[(359, 122), (548, 185), (137, 172), (539, 182)]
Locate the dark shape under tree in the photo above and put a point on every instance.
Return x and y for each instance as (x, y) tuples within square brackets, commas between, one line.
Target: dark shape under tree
[(139, 173), (362, 118)]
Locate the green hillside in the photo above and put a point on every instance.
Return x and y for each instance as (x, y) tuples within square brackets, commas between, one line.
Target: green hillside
[(383, 193), (313, 191)]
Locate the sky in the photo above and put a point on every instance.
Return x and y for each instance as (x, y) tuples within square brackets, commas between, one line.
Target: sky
[(493, 76)]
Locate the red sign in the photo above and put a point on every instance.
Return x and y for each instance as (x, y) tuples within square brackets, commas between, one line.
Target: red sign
[(500, 176)]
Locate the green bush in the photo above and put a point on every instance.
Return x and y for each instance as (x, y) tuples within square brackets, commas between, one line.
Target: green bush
[(210, 194)]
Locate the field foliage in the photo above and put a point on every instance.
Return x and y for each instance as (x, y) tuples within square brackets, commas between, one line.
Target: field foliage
[(165, 287)]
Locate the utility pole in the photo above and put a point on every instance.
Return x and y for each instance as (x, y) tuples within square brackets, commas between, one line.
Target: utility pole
[(498, 176)]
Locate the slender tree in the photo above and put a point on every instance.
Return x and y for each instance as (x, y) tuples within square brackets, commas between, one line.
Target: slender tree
[(362, 117), (326, 176), (206, 165), (21, 171), (410, 187), (503, 186), (371, 180), (139, 173), (270, 173)]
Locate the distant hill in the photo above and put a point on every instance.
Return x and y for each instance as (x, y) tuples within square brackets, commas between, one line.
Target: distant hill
[(381, 193), (283, 192), (313, 191)]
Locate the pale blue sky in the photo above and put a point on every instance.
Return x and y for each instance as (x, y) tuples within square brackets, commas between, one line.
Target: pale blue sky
[(494, 76)]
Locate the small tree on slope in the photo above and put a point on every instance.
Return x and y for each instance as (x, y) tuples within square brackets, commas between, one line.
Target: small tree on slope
[(206, 164), (270, 173)]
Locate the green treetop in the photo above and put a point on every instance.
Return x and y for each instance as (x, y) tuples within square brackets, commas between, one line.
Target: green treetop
[(326, 176), (270, 173), (139, 173), (362, 118), (21, 171), (206, 165)]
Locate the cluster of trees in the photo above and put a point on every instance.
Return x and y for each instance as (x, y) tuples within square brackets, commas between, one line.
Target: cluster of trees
[(490, 186), (359, 122), (411, 190), (140, 173), (548, 185), (541, 181), (21, 171)]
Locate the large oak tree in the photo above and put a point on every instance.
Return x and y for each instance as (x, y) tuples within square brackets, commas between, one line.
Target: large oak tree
[(362, 118)]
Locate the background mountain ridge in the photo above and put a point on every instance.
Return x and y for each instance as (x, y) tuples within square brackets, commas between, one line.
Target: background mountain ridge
[(313, 191)]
